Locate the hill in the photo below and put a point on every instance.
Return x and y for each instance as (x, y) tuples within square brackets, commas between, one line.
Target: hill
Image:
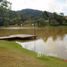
[(41, 18), (30, 16), (30, 12), (33, 13)]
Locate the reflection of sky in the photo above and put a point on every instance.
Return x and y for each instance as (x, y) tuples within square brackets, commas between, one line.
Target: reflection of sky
[(49, 5), (62, 1), (57, 47)]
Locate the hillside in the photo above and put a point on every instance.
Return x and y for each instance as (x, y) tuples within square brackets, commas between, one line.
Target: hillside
[(30, 16), (41, 18), (31, 12)]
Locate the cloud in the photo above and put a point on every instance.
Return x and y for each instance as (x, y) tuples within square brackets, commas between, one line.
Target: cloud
[(64, 7), (48, 5)]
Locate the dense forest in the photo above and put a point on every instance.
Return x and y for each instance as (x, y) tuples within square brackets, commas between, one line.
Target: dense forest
[(29, 16)]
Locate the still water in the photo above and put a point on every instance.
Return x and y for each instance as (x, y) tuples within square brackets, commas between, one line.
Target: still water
[(51, 47)]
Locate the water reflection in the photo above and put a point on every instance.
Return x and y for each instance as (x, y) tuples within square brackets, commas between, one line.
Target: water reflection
[(51, 47)]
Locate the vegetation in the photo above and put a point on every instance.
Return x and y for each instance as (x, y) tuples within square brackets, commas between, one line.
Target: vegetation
[(4, 12), (13, 55), (29, 16)]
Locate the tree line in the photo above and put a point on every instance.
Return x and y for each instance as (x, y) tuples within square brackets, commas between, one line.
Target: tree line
[(20, 18)]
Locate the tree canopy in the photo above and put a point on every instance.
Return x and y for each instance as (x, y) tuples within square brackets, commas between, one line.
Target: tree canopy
[(28, 16)]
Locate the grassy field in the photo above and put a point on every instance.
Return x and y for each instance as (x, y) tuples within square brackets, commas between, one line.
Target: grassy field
[(13, 55)]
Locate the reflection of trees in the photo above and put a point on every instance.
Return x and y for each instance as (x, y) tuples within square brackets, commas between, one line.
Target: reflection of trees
[(60, 48), (57, 47)]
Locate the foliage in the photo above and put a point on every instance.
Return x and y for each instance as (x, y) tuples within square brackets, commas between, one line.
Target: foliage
[(42, 18), (29, 16), (4, 12)]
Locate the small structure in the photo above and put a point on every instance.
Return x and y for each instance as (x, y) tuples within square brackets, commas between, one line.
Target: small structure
[(18, 36)]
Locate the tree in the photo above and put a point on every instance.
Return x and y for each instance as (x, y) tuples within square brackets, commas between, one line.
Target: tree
[(60, 18), (1, 0), (62, 14), (4, 12), (45, 15), (5, 4)]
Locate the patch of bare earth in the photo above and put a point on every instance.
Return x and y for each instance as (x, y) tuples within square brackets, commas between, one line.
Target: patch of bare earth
[(14, 59)]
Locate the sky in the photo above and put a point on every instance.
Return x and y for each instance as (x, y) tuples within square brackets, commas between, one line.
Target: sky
[(44, 5)]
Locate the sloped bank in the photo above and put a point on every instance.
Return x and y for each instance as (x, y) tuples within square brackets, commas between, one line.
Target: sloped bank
[(56, 48)]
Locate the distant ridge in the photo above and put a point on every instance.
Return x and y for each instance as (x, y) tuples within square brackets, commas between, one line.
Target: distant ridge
[(30, 12)]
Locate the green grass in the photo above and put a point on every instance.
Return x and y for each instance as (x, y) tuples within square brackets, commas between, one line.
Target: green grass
[(13, 55)]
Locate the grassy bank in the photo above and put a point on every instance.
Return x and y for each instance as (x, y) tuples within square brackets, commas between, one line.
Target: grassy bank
[(13, 55)]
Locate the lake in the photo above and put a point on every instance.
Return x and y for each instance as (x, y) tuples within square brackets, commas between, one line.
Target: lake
[(52, 40), (50, 47)]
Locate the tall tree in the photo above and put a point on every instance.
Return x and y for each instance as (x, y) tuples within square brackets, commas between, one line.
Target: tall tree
[(4, 11)]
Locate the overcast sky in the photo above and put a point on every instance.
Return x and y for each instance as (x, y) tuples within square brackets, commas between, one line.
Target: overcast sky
[(48, 5)]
